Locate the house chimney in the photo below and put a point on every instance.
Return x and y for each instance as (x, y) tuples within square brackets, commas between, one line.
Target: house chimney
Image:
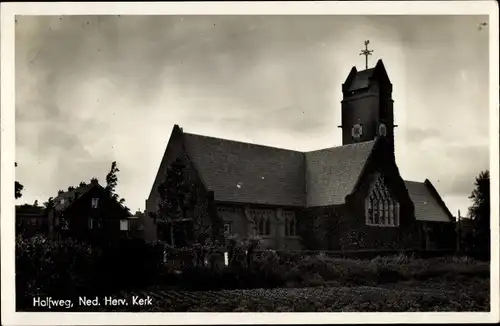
[(71, 188), (82, 184), (94, 181), (60, 192)]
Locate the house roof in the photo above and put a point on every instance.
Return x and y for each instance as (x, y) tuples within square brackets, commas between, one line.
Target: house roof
[(30, 211), (249, 173), (332, 173), (427, 204), (361, 79), (70, 196)]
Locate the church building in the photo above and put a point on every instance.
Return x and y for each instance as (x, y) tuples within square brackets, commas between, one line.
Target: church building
[(349, 197)]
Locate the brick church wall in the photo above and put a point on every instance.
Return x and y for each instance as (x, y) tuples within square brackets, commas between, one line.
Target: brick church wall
[(242, 225), (356, 235), (201, 211)]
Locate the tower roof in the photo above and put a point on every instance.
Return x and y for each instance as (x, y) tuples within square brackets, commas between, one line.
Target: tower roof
[(357, 80), (361, 80)]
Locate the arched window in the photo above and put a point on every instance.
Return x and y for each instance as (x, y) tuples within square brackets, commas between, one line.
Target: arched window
[(260, 225), (267, 229), (290, 224), (381, 216), (381, 209), (386, 212), (262, 220), (396, 214), (370, 211), (391, 213)]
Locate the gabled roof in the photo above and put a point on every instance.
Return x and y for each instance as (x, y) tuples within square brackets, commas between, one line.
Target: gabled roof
[(428, 204), (27, 210), (332, 173), (357, 80), (70, 196), (249, 173)]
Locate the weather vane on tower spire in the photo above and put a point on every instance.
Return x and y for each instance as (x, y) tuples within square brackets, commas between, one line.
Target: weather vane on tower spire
[(366, 52)]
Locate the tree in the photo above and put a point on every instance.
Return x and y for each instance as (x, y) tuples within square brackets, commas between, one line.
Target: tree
[(479, 212), (175, 193), (178, 197), (112, 182), (18, 188), (49, 204)]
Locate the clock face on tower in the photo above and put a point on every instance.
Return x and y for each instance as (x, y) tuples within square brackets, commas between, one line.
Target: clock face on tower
[(357, 131), (382, 130)]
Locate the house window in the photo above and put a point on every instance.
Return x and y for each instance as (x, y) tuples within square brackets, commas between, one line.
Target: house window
[(61, 201), (227, 228), (124, 225), (380, 208), (63, 223), (290, 224), (95, 202), (91, 223)]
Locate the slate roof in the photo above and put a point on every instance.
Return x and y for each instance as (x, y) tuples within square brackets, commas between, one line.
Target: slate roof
[(361, 80), (332, 173), (30, 210), (427, 207), (249, 173), (70, 196)]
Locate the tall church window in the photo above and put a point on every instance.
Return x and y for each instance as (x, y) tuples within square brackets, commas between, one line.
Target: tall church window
[(263, 218), (290, 223), (381, 208)]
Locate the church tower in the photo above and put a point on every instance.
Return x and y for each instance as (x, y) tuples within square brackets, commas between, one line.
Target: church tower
[(367, 105)]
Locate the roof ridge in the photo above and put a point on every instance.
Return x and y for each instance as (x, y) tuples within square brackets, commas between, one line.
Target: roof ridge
[(246, 143), (343, 146), (422, 182)]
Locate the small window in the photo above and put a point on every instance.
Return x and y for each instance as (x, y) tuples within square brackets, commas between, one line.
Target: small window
[(227, 228), (95, 202), (61, 201), (124, 225), (290, 224), (91, 223)]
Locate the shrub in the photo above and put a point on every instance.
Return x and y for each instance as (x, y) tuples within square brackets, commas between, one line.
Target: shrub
[(69, 268)]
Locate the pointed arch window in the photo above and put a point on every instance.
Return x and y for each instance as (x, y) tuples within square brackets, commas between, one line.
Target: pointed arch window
[(382, 209), (290, 223), (262, 218)]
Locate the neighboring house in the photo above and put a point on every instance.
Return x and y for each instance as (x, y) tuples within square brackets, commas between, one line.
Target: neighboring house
[(89, 213), (348, 197), (137, 225), (31, 220)]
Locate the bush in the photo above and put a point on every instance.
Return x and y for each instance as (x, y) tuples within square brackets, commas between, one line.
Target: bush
[(69, 268)]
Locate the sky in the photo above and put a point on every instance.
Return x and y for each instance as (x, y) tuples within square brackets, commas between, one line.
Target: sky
[(91, 90)]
